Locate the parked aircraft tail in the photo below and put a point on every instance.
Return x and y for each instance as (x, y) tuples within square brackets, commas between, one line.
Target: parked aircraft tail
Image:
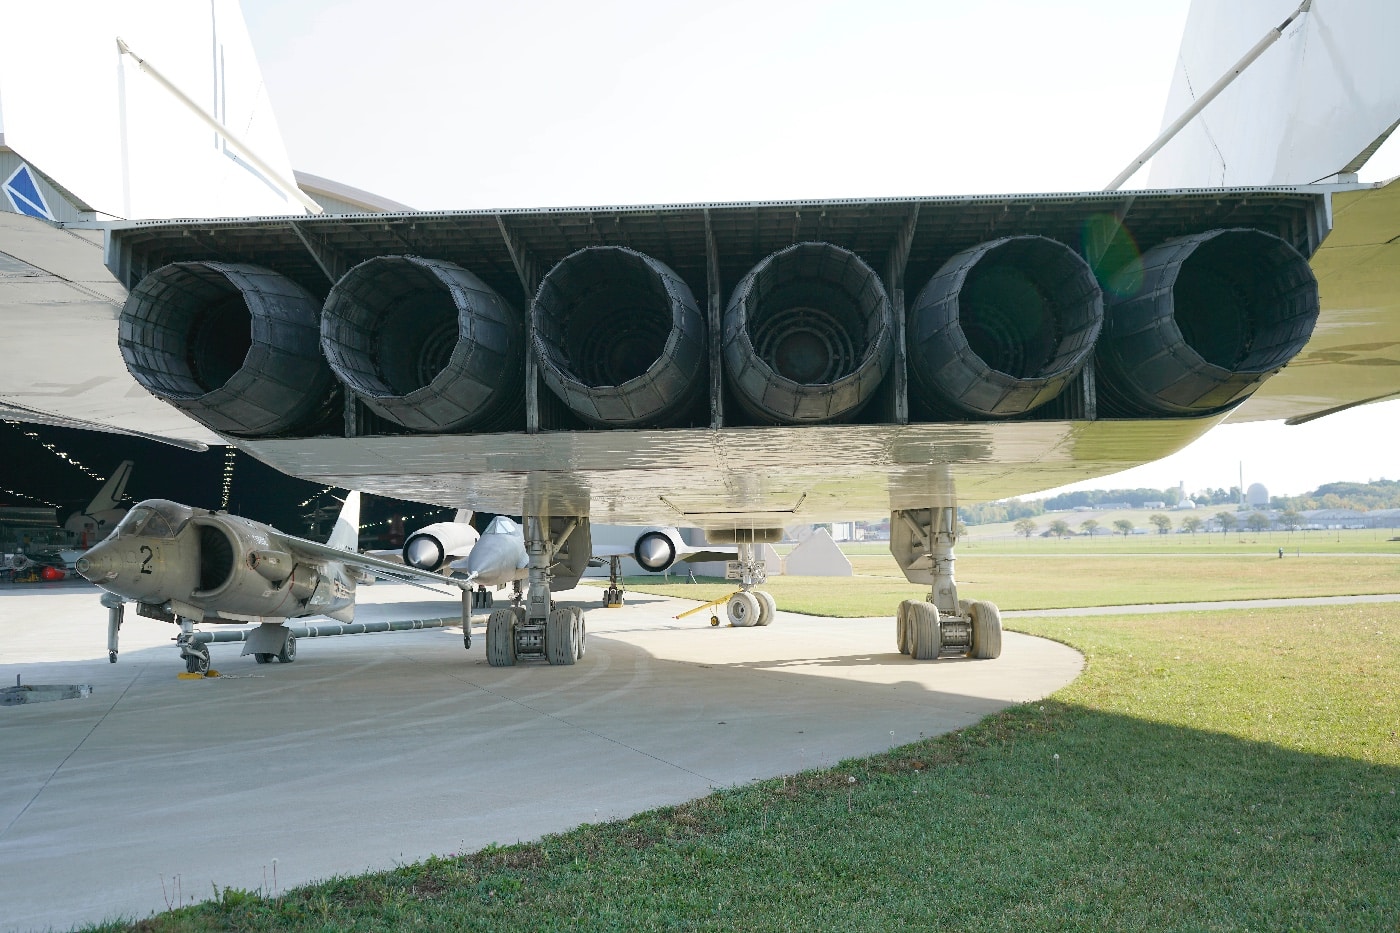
[(346, 534), (113, 491)]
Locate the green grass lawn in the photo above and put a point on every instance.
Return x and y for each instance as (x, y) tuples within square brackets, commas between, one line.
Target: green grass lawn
[(1208, 771), (1038, 581)]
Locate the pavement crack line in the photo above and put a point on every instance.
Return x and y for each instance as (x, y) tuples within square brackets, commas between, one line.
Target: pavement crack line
[(59, 767)]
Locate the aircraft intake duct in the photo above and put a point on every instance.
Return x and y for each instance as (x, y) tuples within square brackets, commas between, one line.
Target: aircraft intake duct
[(808, 336), (1217, 314), (1002, 328), (234, 346), (427, 345), (620, 338)]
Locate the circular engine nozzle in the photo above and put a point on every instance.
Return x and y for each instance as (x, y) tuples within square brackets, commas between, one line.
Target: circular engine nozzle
[(424, 552), (426, 344), (620, 338), (1002, 328), (654, 551), (235, 346), (808, 335), (1217, 314)]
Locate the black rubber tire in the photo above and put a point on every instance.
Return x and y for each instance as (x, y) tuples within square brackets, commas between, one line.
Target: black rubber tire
[(986, 630), (925, 634), (742, 609), (197, 663), (500, 638), (767, 607), (288, 654), (561, 637), (263, 658)]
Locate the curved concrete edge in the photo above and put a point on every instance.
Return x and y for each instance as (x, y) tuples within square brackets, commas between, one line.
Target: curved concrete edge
[(370, 751)]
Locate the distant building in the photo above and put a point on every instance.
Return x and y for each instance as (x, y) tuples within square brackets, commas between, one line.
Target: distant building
[(1184, 505), (1256, 496), (1154, 505)]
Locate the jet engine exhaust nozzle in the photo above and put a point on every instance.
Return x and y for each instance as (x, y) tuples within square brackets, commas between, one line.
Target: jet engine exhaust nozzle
[(620, 338), (232, 345), (424, 552), (427, 345), (808, 336), (1002, 328), (1218, 313), (654, 551)]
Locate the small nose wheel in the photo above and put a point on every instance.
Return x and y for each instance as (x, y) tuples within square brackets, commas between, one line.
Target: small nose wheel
[(112, 657)]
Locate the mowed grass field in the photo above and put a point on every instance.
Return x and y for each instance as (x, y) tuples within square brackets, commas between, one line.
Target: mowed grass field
[(1209, 771), (1052, 574)]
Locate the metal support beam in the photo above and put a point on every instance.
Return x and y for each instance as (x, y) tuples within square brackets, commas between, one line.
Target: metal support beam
[(894, 284), (527, 270), (329, 260), (715, 307)]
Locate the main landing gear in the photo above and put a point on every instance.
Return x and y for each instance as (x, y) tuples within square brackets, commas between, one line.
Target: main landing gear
[(559, 549), (750, 606), (612, 596), (942, 625)]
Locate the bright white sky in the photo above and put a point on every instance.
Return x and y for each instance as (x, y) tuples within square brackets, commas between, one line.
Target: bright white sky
[(555, 102)]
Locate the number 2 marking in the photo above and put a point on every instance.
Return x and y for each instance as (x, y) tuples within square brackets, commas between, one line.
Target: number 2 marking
[(145, 549)]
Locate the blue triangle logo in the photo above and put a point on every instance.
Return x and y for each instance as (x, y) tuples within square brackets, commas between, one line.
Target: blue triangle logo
[(24, 195)]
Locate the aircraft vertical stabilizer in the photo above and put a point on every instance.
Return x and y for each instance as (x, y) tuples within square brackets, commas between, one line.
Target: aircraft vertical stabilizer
[(112, 491), (346, 534), (1317, 103)]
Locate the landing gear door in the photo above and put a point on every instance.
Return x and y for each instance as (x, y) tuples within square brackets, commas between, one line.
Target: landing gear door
[(572, 555)]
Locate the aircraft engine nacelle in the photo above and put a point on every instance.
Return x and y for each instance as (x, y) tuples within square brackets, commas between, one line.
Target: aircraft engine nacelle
[(426, 345), (429, 546), (655, 550), (620, 339), (808, 336), (234, 346), (273, 566), (1217, 313), (1002, 328)]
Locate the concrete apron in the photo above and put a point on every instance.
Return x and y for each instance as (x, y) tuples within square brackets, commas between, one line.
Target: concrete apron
[(375, 750)]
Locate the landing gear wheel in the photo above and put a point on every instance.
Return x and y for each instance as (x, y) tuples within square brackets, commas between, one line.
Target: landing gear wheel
[(742, 609), (288, 654), (925, 635), (901, 626), (262, 657), (986, 630), (561, 637), (500, 638), (767, 607), (582, 630), (197, 659), (714, 621), (112, 657)]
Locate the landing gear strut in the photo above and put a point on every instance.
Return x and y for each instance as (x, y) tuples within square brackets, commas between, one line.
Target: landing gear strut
[(612, 596), (558, 548), (942, 625), (196, 655), (115, 611), (750, 606)]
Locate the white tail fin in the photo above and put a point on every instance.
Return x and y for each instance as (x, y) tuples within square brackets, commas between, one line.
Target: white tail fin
[(464, 516), (112, 492), (346, 534)]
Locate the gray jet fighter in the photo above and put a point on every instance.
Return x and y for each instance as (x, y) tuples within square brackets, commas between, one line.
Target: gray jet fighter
[(187, 565)]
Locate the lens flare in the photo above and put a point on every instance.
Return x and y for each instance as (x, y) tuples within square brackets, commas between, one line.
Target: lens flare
[(1113, 254)]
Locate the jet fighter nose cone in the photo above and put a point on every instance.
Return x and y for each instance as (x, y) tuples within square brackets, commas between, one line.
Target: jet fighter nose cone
[(97, 565), (423, 553)]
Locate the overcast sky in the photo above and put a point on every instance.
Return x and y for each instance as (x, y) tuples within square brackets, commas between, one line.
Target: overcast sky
[(550, 103)]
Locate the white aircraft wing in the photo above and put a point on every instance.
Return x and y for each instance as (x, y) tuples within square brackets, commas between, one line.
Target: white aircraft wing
[(382, 568)]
